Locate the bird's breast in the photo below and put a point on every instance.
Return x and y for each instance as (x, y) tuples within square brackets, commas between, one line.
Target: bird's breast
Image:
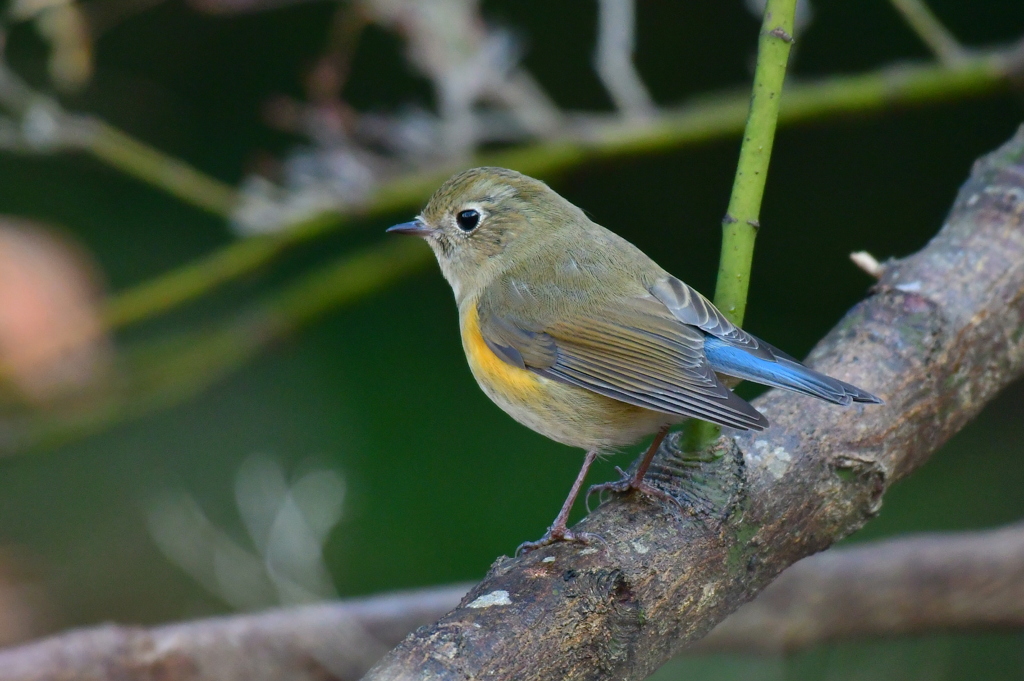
[(492, 372), (565, 413)]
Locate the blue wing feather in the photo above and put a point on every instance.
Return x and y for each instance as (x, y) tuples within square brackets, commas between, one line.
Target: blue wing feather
[(782, 371)]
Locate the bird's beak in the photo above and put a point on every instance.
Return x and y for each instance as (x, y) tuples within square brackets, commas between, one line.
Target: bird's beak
[(416, 228)]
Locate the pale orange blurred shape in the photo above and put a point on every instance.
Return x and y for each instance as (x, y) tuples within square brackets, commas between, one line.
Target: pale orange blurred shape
[(51, 335)]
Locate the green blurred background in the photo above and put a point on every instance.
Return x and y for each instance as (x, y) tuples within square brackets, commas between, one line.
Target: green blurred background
[(438, 480)]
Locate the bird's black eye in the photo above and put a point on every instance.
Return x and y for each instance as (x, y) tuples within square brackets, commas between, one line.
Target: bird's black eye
[(468, 220)]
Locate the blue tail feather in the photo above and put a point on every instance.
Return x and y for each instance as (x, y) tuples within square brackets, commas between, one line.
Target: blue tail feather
[(785, 372)]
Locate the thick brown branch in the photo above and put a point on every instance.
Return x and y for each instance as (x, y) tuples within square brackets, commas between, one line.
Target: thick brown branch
[(939, 337), (925, 583)]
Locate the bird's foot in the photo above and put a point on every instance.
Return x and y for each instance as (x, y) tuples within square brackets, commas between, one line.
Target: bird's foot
[(629, 483), (557, 534)]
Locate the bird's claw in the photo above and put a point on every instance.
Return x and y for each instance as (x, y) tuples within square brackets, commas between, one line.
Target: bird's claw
[(558, 534), (628, 483)]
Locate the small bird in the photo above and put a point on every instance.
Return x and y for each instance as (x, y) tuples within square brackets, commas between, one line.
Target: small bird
[(574, 332)]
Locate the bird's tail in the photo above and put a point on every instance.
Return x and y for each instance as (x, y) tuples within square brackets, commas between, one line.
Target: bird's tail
[(782, 372)]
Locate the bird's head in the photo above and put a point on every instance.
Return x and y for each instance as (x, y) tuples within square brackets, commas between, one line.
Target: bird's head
[(480, 220)]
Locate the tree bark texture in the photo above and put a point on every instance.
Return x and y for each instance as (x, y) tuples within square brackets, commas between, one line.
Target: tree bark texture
[(939, 336)]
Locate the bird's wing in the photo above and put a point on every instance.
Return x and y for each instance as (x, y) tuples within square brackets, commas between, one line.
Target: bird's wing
[(745, 356), (631, 349), (690, 307)]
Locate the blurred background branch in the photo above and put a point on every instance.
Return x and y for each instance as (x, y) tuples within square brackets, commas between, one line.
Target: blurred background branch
[(613, 58), (914, 585), (932, 32), (37, 123)]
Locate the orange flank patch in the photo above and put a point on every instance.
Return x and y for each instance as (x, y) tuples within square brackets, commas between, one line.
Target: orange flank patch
[(492, 371)]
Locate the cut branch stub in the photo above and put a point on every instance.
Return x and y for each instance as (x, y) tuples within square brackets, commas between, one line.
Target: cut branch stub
[(939, 337)]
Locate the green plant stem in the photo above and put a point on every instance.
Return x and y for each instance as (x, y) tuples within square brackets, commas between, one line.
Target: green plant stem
[(931, 31), (739, 228), (708, 119)]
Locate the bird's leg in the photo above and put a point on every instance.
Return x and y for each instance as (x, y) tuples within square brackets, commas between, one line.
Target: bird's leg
[(645, 463), (559, 531), (636, 481)]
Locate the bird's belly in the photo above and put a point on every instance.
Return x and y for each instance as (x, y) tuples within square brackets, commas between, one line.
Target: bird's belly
[(565, 413)]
